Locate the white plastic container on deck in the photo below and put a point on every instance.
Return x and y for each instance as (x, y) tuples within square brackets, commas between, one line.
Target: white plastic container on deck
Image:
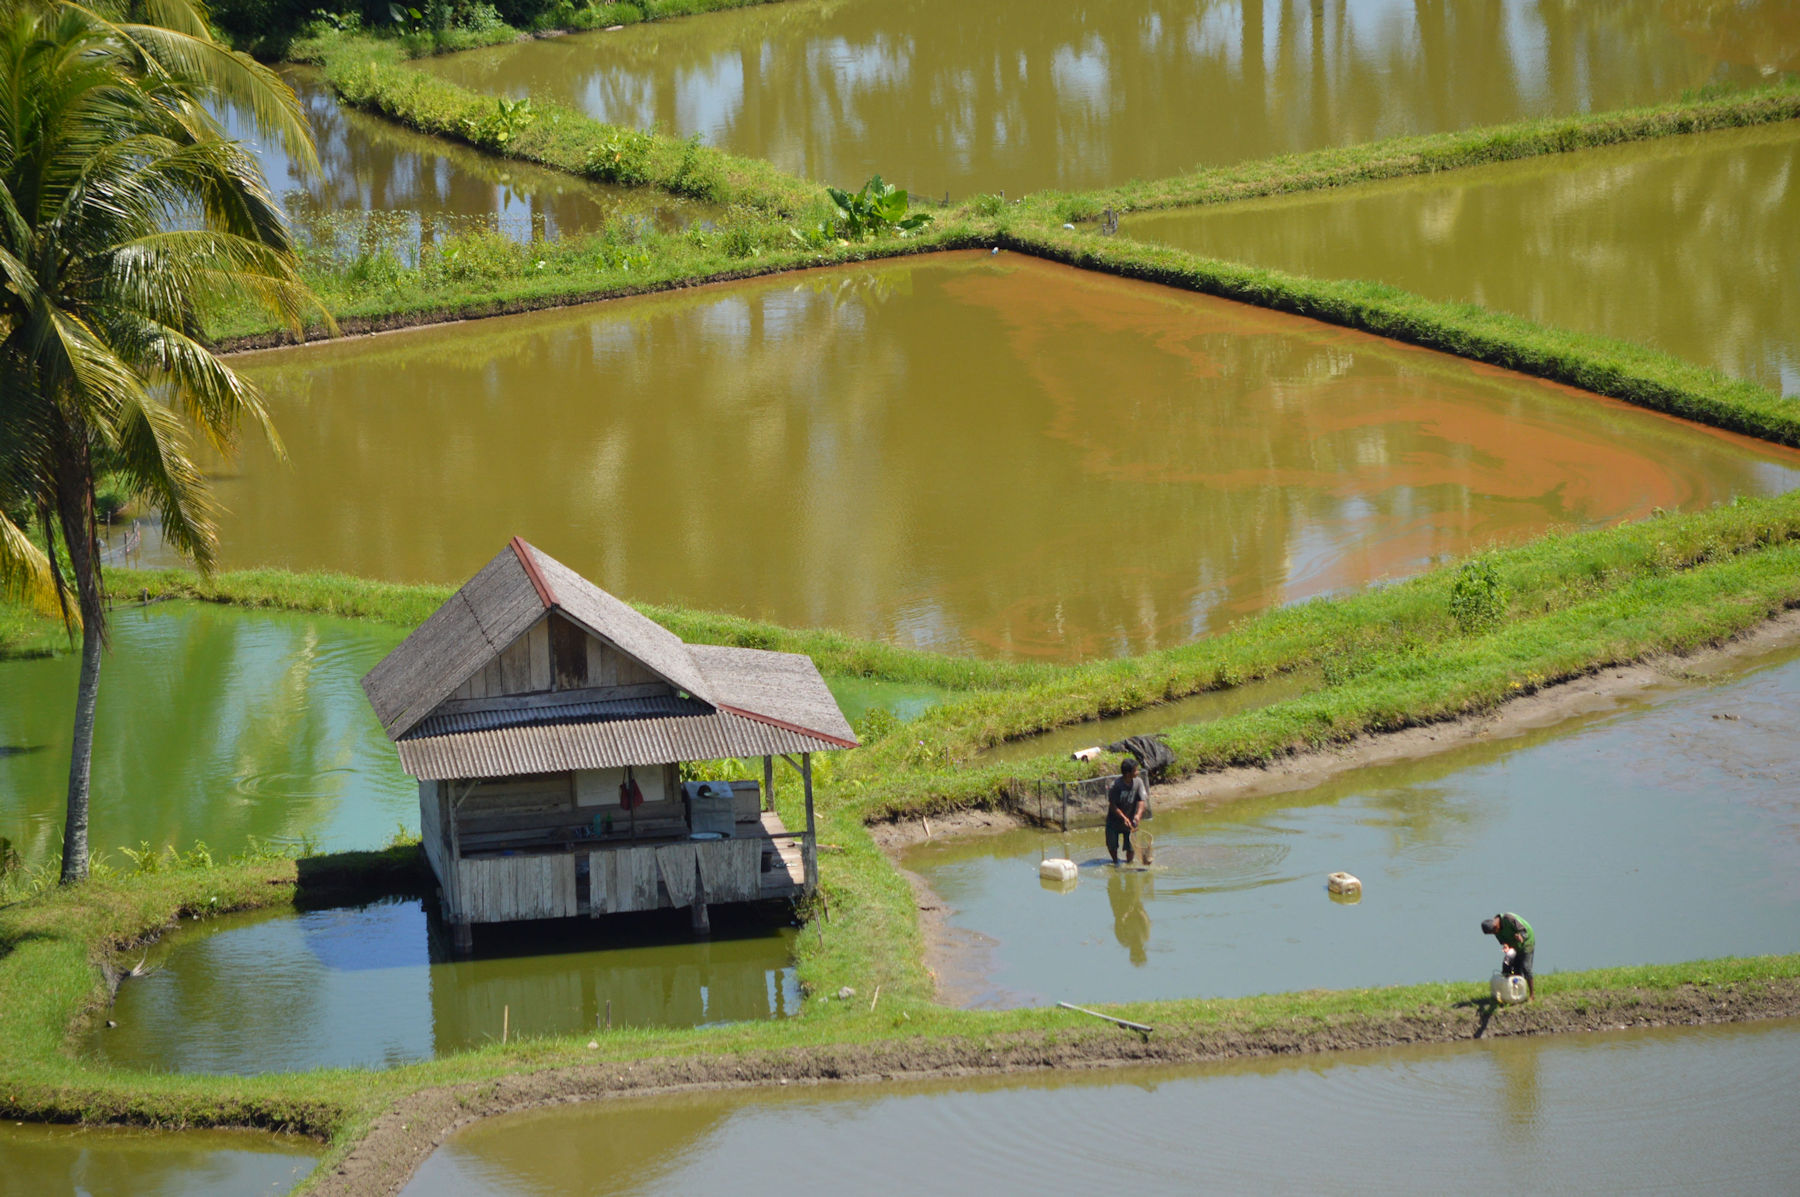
[(1057, 870)]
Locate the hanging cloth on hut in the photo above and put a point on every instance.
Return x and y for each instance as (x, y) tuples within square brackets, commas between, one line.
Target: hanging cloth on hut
[(630, 796)]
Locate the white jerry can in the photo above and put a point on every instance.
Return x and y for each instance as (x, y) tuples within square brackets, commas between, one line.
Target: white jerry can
[(1509, 991), (1057, 869), (1343, 883)]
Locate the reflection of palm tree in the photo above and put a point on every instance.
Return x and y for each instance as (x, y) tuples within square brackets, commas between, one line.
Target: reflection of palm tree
[(1131, 922)]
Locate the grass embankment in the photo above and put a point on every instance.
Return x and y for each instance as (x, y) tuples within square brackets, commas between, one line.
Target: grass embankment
[(55, 948), (1423, 154), (409, 605), (312, 45)]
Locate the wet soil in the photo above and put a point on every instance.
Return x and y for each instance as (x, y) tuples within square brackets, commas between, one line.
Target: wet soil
[(403, 1137)]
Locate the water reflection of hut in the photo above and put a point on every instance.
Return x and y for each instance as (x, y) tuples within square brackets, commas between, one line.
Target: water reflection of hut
[(547, 723)]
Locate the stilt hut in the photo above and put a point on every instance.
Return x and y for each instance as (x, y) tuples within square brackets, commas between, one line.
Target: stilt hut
[(547, 723)]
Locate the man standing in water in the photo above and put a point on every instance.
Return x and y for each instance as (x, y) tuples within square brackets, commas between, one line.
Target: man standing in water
[(1126, 802), (1517, 942)]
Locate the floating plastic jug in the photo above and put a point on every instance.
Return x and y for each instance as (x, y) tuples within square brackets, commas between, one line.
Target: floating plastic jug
[(1343, 883), (1057, 870), (1509, 991)]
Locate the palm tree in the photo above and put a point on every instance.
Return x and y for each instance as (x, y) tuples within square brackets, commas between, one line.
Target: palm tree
[(124, 212)]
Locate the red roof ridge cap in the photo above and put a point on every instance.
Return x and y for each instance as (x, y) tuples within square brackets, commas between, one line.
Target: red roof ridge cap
[(523, 552)]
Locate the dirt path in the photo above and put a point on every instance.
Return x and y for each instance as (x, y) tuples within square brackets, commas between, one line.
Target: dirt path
[(401, 1139)]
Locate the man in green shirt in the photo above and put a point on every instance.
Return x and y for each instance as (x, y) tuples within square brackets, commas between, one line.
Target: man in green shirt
[(1517, 943)]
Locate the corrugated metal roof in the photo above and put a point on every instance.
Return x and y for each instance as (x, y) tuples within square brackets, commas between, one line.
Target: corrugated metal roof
[(571, 712), (556, 747)]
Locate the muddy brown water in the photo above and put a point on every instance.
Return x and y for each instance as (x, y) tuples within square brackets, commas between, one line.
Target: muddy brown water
[(1668, 1111), (1663, 829), (942, 96), (227, 725), (422, 187), (1689, 244), (39, 1161), (977, 453), (374, 986)]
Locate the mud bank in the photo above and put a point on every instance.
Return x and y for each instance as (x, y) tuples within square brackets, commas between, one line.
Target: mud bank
[(402, 1138)]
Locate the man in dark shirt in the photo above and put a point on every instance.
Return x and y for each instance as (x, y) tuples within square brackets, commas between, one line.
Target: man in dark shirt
[(1515, 935), (1125, 805)]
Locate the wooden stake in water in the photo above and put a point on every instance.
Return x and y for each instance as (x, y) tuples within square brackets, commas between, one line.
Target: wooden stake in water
[(505, 1022), (609, 1014)]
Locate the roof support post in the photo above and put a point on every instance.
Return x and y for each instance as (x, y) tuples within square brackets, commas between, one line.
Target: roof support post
[(810, 849), (768, 794)]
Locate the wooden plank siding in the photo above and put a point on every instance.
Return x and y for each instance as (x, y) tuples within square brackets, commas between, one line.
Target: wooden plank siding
[(434, 837), (554, 654), (500, 889)]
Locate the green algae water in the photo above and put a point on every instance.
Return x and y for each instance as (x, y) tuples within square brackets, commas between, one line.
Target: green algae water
[(1673, 1111), (1688, 244), (214, 724), (39, 1161), (226, 725), (975, 453), (942, 96), (375, 986), (1660, 828)]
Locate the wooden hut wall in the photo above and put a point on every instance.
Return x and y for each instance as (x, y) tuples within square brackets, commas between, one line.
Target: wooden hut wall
[(499, 889), (434, 835), (597, 792), (554, 654), (498, 807)]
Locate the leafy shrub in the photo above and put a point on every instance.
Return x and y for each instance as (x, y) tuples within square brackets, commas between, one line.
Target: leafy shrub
[(878, 208), (697, 175), (1477, 597), (623, 158)]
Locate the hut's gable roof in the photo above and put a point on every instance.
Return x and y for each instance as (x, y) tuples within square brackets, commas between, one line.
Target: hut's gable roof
[(492, 610), (737, 701)]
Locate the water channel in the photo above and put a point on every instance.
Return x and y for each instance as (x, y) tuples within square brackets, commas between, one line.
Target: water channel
[(38, 1160), (970, 453), (374, 986), (942, 96), (225, 724), (1673, 1111), (1685, 243), (1656, 828)]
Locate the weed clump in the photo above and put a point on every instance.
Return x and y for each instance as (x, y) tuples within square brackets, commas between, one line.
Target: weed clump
[(1477, 597)]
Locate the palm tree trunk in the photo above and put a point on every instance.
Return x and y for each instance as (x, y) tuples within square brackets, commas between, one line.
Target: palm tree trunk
[(76, 516), (75, 827)]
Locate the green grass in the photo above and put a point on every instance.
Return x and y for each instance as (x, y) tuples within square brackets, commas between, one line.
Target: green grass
[(314, 45), (1424, 154)]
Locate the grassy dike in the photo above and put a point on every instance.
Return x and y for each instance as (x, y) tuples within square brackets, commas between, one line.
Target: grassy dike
[(1424, 154)]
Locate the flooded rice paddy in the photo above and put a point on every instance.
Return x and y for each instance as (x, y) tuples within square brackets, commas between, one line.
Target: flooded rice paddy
[(942, 96), (374, 986), (1688, 244), (972, 453), (1626, 1112), (224, 725), (1663, 830), (38, 1160)]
